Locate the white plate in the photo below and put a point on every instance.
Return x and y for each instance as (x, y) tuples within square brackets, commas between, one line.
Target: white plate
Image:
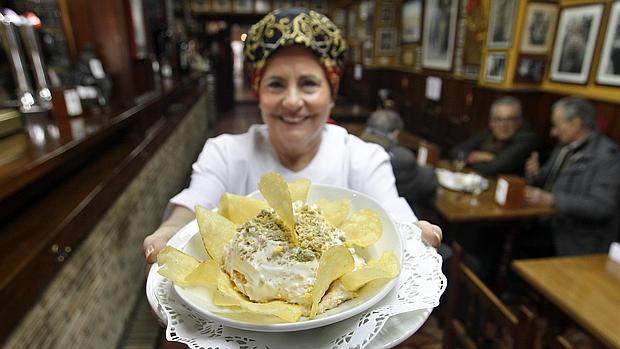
[(459, 181), (201, 301)]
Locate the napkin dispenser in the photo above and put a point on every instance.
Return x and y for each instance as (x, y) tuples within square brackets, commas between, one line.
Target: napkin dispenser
[(428, 154), (509, 191)]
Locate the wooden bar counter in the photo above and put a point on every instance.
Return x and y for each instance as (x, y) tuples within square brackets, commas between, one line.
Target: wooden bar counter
[(56, 187)]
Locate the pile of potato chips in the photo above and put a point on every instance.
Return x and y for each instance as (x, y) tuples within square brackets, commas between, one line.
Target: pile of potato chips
[(362, 229)]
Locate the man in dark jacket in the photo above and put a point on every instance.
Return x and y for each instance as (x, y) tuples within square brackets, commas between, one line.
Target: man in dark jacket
[(581, 180), (504, 146), (417, 184)]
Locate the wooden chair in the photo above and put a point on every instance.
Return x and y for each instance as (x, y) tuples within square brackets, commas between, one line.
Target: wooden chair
[(476, 318), (561, 342)]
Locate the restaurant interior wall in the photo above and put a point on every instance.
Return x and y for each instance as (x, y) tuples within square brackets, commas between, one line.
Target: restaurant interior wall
[(463, 106)]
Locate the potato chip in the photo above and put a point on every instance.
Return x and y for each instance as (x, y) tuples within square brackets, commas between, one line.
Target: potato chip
[(240, 209), (216, 232), (363, 228), (205, 274), (385, 267), (226, 295), (334, 263), (275, 191), (335, 212), (176, 265), (299, 189)]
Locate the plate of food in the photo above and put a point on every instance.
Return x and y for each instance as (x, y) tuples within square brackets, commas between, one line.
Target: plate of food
[(289, 257), (460, 181)]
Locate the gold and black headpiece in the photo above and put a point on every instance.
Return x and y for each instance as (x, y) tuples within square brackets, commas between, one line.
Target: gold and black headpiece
[(296, 26)]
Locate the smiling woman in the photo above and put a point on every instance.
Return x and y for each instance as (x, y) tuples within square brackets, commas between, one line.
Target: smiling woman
[(295, 58)]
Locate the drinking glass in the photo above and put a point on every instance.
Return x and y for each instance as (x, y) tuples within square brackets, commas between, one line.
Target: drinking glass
[(459, 161)]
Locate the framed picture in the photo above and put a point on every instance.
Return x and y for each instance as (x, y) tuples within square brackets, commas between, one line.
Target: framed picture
[(574, 43), (501, 23), (282, 4), (530, 68), (495, 67), (221, 5), (262, 6), (609, 66), (386, 41), (243, 6), (411, 21), (540, 22), (439, 33), (388, 12)]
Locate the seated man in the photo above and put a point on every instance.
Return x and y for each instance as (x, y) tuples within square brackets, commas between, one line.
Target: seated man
[(415, 183), (581, 180), (504, 146)]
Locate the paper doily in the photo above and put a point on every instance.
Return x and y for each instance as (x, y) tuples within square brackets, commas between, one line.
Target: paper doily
[(421, 283)]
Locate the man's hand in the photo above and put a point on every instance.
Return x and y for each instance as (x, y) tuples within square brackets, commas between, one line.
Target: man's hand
[(532, 165), (480, 156), (538, 197), (431, 233)]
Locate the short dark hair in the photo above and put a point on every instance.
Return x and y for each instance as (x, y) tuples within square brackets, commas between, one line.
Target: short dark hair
[(576, 107), (508, 100), (385, 121)]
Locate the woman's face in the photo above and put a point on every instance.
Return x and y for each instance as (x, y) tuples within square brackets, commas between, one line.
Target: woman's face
[(294, 99)]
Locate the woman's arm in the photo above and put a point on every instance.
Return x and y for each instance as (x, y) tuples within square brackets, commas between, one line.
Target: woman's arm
[(153, 243)]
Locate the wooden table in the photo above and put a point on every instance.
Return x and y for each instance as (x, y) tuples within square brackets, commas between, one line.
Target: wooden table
[(585, 288), (458, 209)]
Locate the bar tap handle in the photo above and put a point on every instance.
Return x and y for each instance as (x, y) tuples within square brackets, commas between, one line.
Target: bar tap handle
[(10, 40), (33, 48)]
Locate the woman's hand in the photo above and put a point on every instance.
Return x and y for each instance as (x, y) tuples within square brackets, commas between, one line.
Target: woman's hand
[(155, 242), (431, 233)]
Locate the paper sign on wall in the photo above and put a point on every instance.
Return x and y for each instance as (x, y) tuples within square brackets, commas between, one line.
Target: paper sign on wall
[(433, 88)]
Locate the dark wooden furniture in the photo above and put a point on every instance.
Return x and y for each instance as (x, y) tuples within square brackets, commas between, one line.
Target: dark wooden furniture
[(584, 288), (55, 187), (477, 318)]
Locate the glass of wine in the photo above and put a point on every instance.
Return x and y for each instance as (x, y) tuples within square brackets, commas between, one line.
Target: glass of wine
[(459, 161)]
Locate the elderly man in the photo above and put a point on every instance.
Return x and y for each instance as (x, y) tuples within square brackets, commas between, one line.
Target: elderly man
[(581, 180), (504, 146), (415, 183)]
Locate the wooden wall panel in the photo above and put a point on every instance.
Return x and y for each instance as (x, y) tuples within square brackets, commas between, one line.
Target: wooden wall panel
[(464, 106)]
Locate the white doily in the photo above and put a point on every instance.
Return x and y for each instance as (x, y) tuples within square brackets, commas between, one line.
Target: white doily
[(421, 283)]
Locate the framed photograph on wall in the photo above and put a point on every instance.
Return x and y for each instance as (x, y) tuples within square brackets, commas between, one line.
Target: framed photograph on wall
[(386, 41), (439, 34), (574, 43), (242, 6), (501, 23), (221, 5), (411, 21), (495, 67), (540, 22), (530, 68), (609, 65), (262, 6)]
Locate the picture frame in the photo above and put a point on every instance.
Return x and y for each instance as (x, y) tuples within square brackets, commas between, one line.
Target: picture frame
[(411, 19), (609, 65), (243, 6), (501, 23), (262, 6), (439, 34), (495, 67), (386, 41), (575, 42), (221, 5), (388, 12), (530, 69), (540, 20)]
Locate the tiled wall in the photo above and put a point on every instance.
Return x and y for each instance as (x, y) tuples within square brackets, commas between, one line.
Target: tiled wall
[(88, 303)]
